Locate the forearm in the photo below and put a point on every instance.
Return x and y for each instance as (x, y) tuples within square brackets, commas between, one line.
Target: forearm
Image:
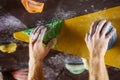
[(37, 52), (97, 68), (35, 71), (97, 40)]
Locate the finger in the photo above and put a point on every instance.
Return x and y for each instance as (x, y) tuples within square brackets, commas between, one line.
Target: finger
[(99, 26), (86, 37), (32, 35), (35, 29), (89, 37), (41, 36), (50, 44), (105, 28), (93, 28), (36, 34), (31, 38), (108, 36), (39, 29)]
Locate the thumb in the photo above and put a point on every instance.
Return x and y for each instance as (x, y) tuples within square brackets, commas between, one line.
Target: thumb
[(50, 44)]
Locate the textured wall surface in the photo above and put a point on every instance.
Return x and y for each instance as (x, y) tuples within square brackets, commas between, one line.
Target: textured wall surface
[(54, 10)]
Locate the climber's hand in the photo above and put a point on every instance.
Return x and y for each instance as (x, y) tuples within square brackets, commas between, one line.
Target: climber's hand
[(37, 51), (97, 40)]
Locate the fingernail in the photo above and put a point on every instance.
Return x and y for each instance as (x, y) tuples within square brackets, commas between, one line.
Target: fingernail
[(42, 27)]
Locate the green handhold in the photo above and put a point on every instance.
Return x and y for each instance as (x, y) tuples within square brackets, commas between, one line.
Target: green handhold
[(53, 31)]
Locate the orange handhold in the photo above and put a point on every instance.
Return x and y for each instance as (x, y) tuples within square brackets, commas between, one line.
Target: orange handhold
[(33, 6)]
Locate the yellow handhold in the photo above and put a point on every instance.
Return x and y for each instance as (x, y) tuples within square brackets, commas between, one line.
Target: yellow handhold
[(8, 48)]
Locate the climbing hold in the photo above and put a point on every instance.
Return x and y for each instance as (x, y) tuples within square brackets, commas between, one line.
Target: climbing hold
[(75, 68), (112, 39), (33, 6), (74, 65), (53, 31), (8, 48)]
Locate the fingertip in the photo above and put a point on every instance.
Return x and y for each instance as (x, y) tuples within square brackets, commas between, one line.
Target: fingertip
[(114, 29), (86, 37), (40, 29), (50, 44), (41, 26), (92, 24), (108, 22), (104, 20), (111, 33), (44, 30), (34, 31)]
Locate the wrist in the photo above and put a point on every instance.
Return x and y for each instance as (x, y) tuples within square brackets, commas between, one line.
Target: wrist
[(97, 59), (93, 58), (34, 61), (96, 56), (97, 53)]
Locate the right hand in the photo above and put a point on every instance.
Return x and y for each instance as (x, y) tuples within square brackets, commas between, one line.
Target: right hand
[(97, 40)]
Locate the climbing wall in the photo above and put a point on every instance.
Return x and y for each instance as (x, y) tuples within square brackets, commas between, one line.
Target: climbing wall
[(71, 38)]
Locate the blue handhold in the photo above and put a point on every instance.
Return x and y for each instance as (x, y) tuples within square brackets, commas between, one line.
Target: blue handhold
[(112, 39)]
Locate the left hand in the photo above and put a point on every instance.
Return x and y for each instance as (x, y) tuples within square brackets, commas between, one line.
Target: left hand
[(37, 52)]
